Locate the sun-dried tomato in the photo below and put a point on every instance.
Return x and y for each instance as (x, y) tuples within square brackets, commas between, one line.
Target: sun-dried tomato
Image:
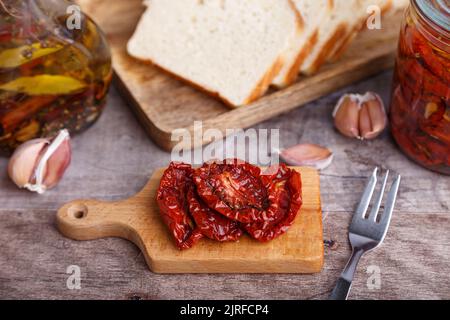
[(219, 200), (174, 207), (285, 200), (232, 188), (420, 105), (212, 224)]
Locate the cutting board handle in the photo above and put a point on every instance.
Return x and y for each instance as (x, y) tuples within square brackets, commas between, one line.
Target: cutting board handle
[(91, 219)]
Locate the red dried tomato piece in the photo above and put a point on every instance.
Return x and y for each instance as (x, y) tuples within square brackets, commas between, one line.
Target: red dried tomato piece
[(432, 57), (212, 224), (174, 208), (285, 201), (232, 188), (197, 203)]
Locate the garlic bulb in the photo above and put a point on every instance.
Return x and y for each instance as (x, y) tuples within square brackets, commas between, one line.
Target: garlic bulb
[(39, 164), (360, 116), (308, 155)]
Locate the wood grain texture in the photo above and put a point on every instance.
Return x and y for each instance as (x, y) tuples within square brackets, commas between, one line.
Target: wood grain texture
[(115, 159), (137, 219), (414, 263), (156, 96)]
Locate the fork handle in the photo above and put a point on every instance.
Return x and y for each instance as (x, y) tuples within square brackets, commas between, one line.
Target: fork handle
[(341, 290), (344, 284)]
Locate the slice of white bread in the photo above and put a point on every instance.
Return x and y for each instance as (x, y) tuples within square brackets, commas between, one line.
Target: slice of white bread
[(365, 10), (332, 29), (230, 48), (313, 13)]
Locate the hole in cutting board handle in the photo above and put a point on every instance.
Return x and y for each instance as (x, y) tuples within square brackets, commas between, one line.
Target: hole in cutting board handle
[(78, 211)]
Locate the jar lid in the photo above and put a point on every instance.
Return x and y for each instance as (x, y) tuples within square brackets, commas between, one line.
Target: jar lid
[(438, 11)]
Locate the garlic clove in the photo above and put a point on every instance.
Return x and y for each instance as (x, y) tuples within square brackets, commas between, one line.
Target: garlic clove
[(23, 162), (346, 116), (360, 116), (365, 124), (373, 118), (38, 165), (309, 155), (57, 164)]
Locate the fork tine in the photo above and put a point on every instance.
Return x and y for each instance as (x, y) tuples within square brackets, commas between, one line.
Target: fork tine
[(390, 202), (367, 195), (376, 206)]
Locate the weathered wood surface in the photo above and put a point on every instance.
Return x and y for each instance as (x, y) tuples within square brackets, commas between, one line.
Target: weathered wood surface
[(114, 160), (156, 96)]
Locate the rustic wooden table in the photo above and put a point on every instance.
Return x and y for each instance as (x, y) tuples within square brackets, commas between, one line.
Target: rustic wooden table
[(114, 159)]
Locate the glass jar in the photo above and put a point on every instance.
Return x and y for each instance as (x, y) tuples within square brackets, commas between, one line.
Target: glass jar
[(420, 107), (55, 70)]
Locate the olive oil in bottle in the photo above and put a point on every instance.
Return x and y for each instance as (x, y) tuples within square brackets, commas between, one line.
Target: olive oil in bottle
[(55, 70)]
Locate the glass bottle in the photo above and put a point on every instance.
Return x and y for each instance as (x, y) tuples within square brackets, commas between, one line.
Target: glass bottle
[(55, 70)]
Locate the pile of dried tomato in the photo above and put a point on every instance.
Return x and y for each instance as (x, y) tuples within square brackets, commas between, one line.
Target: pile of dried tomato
[(222, 200)]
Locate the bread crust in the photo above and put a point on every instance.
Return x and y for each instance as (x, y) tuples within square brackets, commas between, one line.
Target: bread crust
[(340, 32), (300, 21), (331, 4), (312, 43), (287, 80), (339, 51), (259, 91), (206, 90), (265, 82), (293, 74)]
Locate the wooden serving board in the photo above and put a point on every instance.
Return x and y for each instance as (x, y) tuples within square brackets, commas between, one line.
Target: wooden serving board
[(163, 103), (137, 219)]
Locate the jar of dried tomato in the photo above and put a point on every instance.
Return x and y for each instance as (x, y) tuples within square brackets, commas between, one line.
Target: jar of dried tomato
[(420, 107)]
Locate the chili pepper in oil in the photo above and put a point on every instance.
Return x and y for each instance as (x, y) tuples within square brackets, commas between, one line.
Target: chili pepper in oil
[(50, 77)]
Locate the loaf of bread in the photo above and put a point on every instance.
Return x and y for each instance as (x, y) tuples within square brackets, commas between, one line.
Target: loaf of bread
[(230, 48), (236, 49)]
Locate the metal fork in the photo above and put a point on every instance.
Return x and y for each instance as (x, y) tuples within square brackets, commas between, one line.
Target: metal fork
[(366, 233)]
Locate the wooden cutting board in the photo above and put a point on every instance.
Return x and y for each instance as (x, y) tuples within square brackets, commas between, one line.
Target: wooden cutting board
[(137, 219), (163, 104)]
